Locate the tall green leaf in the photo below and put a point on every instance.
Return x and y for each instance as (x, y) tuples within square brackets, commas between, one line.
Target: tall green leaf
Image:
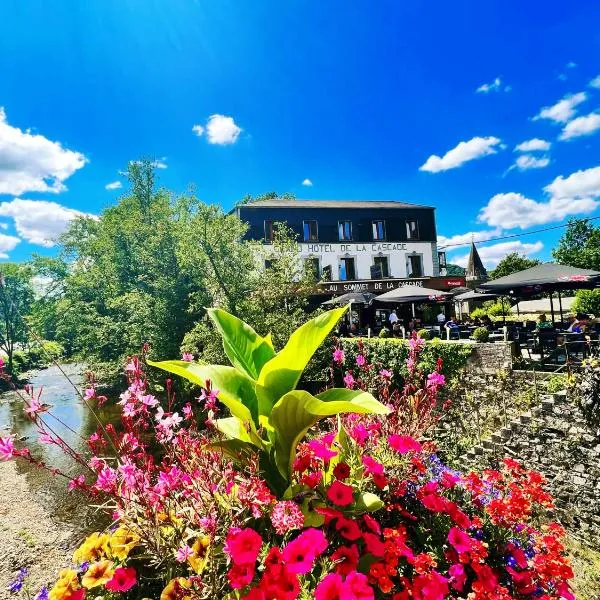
[(236, 390), (297, 411), (282, 373), (246, 350)]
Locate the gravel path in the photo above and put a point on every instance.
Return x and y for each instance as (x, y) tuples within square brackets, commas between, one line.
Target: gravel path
[(28, 535)]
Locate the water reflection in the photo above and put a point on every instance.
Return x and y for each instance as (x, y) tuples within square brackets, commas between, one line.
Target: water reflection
[(68, 507)]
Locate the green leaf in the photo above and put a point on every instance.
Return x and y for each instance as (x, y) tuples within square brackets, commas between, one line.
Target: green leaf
[(311, 517), (246, 350), (236, 390), (231, 448), (294, 414), (282, 373), (233, 428), (369, 502)]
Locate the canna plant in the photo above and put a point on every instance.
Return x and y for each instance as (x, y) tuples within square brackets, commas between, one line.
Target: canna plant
[(259, 389)]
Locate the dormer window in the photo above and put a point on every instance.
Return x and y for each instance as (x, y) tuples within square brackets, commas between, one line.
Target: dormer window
[(378, 231), (345, 230), (311, 231), (412, 230)]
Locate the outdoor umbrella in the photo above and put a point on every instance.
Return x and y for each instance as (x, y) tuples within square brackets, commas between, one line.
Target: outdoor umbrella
[(459, 290), (352, 297), (474, 295), (549, 277), (412, 293)]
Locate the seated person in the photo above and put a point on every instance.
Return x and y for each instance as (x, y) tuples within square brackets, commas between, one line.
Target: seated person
[(487, 322), (581, 324), (451, 324), (543, 323)]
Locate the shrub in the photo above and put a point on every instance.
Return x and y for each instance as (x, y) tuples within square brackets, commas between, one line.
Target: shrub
[(424, 334), (384, 333), (481, 334), (556, 383)]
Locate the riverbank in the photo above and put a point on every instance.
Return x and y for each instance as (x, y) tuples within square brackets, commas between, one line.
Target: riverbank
[(29, 536)]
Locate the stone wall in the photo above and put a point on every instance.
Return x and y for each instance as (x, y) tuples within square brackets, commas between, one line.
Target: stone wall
[(554, 439), (489, 358)]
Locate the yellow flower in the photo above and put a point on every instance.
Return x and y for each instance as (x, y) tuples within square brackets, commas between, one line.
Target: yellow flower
[(176, 589), (66, 584), (200, 553), (98, 573), (122, 541), (94, 548)]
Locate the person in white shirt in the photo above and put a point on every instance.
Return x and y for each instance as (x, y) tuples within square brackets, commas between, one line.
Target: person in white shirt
[(393, 318), (441, 318)]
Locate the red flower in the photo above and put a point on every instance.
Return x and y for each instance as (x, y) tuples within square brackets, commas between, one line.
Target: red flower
[(460, 540), (312, 480), (374, 545), (348, 529), (243, 546), (341, 494), (300, 554), (358, 586), (240, 575), (123, 579), (341, 471), (458, 577), (346, 559), (404, 444), (372, 524), (372, 467), (284, 587)]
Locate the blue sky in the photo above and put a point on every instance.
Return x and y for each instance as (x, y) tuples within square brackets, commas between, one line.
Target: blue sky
[(365, 100)]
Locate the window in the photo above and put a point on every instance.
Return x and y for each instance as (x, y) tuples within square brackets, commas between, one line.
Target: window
[(311, 265), (269, 232), (347, 269), (381, 267), (326, 275), (414, 265), (311, 233), (378, 231), (345, 230), (442, 260), (412, 230)]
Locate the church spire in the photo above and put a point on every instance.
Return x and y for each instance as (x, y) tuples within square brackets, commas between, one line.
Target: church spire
[(475, 270)]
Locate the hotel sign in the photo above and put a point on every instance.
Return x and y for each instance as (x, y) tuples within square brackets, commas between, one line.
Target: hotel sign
[(375, 247), (379, 286)]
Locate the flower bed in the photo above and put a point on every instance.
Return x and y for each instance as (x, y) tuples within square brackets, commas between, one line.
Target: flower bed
[(262, 491)]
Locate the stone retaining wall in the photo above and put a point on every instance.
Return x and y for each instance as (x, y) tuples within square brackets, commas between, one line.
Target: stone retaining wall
[(555, 439), (489, 358)]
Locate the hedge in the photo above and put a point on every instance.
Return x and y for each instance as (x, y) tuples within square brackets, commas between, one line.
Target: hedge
[(391, 354)]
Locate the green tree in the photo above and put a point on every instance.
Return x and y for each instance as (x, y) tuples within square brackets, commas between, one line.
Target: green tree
[(513, 263), (587, 301), (579, 246), (16, 298)]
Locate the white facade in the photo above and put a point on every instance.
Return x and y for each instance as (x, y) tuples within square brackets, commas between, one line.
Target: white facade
[(397, 253)]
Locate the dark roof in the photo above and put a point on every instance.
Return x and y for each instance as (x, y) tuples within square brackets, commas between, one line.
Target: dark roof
[(412, 293), (299, 203), (548, 276), (475, 269)]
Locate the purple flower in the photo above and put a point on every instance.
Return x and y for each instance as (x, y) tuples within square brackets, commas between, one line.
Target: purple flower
[(338, 356), (435, 379), (349, 380), (360, 360), (42, 594)]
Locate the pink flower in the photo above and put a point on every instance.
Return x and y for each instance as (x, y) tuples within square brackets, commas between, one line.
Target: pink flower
[(183, 553), (460, 540), (331, 587), (457, 577), (243, 545), (348, 380), (33, 407), (340, 493), (358, 587), (124, 579), (187, 357), (404, 444), (348, 529), (338, 356), (360, 360), (322, 448), (107, 479), (76, 482), (7, 448), (240, 575), (416, 343), (300, 554), (435, 379), (385, 374), (286, 516), (372, 467)]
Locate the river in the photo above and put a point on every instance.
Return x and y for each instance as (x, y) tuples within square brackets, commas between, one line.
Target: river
[(50, 490)]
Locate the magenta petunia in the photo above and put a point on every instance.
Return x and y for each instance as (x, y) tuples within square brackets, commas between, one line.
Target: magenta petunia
[(340, 493), (243, 545), (404, 444)]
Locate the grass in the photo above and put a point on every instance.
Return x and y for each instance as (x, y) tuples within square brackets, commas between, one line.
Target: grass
[(586, 565)]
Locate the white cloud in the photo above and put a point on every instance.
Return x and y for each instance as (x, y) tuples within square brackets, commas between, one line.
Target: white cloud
[(533, 145), (198, 130), (528, 161), (493, 254), (32, 163), (160, 163), (581, 184), (563, 110), (513, 210), (492, 87), (7, 243), (571, 64), (4, 226), (464, 239), (39, 221), (465, 151), (222, 130), (114, 185), (581, 126), (307, 182), (595, 83)]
